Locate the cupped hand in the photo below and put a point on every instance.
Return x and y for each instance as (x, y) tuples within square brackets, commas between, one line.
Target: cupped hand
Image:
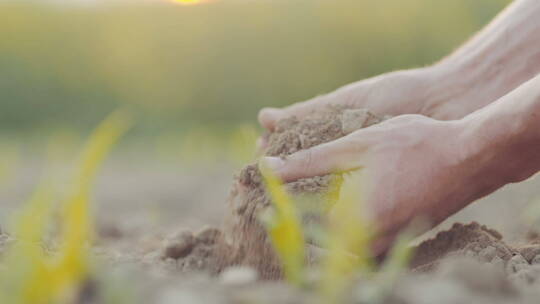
[(402, 92), (411, 166)]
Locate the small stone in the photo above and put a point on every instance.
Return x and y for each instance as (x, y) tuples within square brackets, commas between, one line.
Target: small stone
[(536, 260), (238, 275), (180, 245), (516, 263)]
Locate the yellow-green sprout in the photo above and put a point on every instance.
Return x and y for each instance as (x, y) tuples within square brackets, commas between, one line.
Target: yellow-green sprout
[(348, 241), (285, 229), (33, 276)]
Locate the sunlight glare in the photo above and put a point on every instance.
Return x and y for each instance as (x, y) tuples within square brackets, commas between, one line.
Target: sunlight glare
[(188, 2)]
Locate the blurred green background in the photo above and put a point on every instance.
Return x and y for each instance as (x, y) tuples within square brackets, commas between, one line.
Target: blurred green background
[(209, 66)]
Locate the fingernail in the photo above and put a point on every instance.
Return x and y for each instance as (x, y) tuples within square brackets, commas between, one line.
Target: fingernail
[(272, 163), (268, 116)]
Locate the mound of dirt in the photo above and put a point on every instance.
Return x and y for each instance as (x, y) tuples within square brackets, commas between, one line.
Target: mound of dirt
[(472, 240)]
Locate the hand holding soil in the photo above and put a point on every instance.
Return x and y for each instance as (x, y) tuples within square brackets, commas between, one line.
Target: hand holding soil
[(408, 166), (414, 166)]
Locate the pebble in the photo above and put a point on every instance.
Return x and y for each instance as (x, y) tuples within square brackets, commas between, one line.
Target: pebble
[(180, 245), (238, 275)]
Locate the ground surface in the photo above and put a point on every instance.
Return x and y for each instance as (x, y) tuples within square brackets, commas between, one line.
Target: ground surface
[(140, 201)]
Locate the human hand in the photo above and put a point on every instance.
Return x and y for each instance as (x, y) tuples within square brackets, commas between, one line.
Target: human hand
[(411, 166), (388, 94)]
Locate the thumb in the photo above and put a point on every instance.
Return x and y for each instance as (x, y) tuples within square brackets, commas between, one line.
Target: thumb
[(339, 155)]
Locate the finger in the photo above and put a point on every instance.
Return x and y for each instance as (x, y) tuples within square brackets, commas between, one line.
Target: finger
[(339, 155), (268, 117)]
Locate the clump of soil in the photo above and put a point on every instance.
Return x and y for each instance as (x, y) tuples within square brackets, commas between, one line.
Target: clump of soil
[(194, 252), (472, 240)]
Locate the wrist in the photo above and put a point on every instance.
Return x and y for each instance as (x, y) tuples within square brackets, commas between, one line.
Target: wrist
[(453, 91), (399, 92), (441, 91), (494, 151)]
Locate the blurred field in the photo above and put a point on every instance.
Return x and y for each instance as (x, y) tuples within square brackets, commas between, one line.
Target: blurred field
[(195, 77), (212, 65)]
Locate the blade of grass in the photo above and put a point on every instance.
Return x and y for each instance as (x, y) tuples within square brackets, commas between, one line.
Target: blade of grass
[(285, 229), (349, 239), (41, 278)]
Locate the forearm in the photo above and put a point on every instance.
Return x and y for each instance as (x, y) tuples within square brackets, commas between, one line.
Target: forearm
[(498, 59), (501, 142)]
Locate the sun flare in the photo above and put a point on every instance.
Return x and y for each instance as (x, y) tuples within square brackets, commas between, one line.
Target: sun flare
[(188, 2)]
